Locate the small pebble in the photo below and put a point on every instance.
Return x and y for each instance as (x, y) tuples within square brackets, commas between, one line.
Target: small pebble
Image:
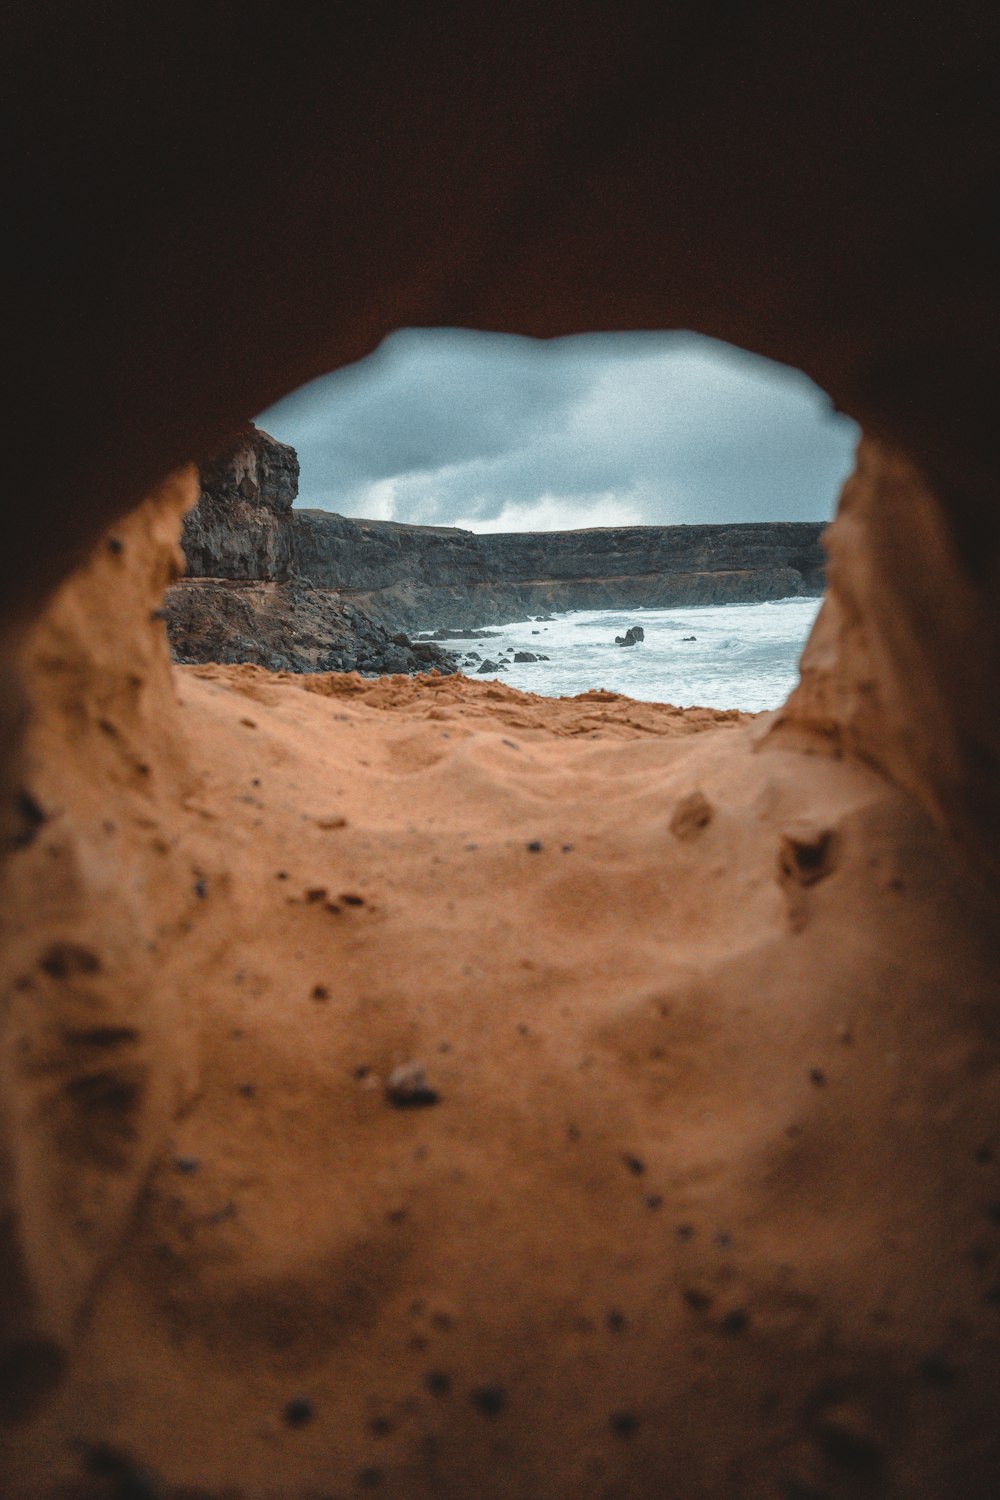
[(491, 1400), (937, 1370), (623, 1424), (407, 1087), (299, 1411), (535, 847), (697, 1300), (734, 1322)]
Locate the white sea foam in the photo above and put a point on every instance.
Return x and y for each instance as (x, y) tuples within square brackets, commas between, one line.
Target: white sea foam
[(743, 655)]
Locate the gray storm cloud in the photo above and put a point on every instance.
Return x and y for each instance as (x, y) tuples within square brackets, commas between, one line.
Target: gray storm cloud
[(492, 432)]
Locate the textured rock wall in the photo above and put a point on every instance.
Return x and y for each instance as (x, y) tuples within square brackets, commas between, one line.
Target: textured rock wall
[(93, 1062), (419, 576), (241, 526), (808, 182), (414, 577), (902, 665)]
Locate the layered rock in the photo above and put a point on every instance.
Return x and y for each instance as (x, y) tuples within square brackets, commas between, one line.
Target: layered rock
[(288, 627), (241, 526), (413, 577), (242, 601), (360, 583)]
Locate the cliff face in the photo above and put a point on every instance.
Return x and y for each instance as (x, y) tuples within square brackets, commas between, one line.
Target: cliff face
[(288, 627), (241, 526), (242, 601), (418, 576), (415, 576)]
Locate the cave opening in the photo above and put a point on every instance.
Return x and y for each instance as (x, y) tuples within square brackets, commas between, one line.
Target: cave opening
[(496, 495), (404, 1091)]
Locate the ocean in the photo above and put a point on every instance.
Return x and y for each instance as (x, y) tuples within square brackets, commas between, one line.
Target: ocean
[(741, 655)]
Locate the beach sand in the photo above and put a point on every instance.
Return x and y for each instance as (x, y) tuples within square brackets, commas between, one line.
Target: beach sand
[(496, 1097)]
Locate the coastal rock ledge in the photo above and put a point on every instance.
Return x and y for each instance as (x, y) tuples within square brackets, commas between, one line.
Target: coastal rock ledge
[(399, 578)]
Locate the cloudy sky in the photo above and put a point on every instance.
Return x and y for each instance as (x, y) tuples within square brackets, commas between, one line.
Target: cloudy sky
[(496, 433)]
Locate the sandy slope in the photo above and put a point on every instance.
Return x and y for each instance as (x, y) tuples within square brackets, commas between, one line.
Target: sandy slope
[(706, 1205)]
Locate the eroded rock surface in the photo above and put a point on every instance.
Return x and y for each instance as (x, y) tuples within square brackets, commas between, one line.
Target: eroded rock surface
[(418, 576), (244, 600), (241, 526), (288, 627), (407, 578)]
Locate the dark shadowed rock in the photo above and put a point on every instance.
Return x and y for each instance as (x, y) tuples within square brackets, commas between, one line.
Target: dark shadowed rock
[(287, 627), (408, 576), (242, 524)]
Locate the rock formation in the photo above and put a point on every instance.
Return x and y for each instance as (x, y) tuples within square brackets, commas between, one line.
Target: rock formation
[(707, 1205), (411, 577), (357, 586), (243, 600), (241, 527)]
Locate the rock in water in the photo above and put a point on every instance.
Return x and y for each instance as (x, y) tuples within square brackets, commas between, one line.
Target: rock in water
[(632, 636)]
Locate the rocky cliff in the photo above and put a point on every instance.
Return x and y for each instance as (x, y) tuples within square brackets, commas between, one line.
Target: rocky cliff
[(242, 600), (241, 526), (415, 577)]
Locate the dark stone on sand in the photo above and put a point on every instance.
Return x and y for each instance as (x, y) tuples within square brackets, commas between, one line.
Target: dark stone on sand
[(407, 1088), (490, 1400), (299, 1411)]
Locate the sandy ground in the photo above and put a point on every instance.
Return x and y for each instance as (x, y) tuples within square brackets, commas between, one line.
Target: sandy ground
[(696, 1194)]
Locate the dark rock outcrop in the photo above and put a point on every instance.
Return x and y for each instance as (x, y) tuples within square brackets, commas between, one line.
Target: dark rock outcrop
[(632, 636), (412, 576), (406, 578), (287, 627), (242, 524), (242, 600)]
